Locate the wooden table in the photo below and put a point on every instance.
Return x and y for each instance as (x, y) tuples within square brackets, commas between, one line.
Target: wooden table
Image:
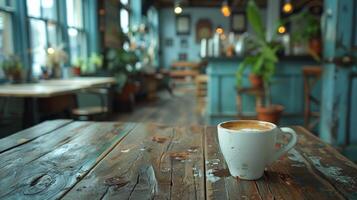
[(49, 88), (105, 160)]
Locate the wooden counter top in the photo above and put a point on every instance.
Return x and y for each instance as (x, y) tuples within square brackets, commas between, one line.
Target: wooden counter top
[(281, 58)]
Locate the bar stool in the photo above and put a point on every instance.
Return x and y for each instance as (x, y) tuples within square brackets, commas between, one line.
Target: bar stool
[(311, 75), (259, 95)]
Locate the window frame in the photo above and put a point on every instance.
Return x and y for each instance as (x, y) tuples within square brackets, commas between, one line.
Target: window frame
[(80, 31), (47, 21), (11, 12)]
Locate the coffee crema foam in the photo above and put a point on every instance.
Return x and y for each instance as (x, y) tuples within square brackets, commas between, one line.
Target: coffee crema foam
[(250, 129), (249, 126)]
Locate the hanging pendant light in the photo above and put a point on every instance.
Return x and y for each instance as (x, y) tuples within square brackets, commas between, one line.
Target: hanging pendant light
[(281, 29), (177, 8), (226, 11), (288, 7), (219, 30)]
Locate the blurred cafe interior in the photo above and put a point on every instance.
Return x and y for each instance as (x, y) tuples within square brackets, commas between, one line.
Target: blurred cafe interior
[(125, 99), (181, 63)]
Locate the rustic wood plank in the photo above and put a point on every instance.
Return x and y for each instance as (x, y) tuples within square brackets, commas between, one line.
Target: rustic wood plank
[(30, 134), (340, 172), (187, 172), (153, 161), (291, 177), (48, 166), (294, 178)]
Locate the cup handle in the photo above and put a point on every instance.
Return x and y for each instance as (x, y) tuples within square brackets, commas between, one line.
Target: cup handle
[(288, 146)]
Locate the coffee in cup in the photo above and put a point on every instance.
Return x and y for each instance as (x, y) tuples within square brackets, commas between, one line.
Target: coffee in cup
[(248, 146)]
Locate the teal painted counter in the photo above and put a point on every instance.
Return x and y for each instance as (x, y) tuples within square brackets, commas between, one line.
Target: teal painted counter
[(286, 89)]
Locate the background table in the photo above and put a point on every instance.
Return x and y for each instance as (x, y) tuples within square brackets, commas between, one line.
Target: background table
[(31, 92), (106, 160), (50, 88)]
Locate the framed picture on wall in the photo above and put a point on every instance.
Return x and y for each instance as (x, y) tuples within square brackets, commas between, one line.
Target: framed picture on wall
[(203, 30), (238, 22), (183, 24)]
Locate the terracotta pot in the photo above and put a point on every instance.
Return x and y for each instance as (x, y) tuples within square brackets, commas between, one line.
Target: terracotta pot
[(14, 76), (76, 71), (270, 114), (256, 81), (315, 45)]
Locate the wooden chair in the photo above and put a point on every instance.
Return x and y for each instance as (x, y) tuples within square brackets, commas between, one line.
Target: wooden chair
[(93, 112), (201, 92), (311, 75)]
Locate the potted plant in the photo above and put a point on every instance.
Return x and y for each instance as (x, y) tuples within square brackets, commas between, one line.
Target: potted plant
[(122, 64), (87, 66), (96, 61), (55, 57), (77, 65), (262, 64), (12, 68), (310, 34)]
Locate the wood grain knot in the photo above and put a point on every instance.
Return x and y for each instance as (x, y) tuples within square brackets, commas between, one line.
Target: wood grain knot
[(116, 181), (179, 155), (221, 173), (38, 183), (159, 139)]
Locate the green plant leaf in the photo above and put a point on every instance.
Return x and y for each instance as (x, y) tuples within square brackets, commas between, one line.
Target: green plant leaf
[(248, 61), (255, 20), (270, 53), (257, 66), (269, 70)]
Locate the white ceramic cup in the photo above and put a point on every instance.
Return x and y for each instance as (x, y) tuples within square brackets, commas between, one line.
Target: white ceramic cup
[(248, 151)]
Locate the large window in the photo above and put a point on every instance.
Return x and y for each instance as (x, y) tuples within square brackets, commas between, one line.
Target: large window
[(44, 30), (6, 31), (124, 16), (76, 34), (6, 39)]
